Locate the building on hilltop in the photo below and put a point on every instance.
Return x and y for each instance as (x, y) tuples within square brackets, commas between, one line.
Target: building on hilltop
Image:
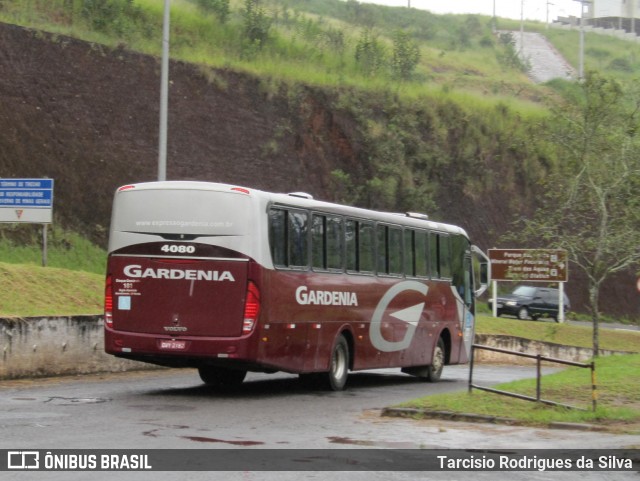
[(610, 14)]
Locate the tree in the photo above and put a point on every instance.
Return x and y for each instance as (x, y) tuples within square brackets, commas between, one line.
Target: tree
[(370, 53), (406, 55), (592, 206), (257, 23)]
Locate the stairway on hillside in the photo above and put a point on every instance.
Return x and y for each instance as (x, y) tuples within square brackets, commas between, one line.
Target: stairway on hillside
[(545, 61)]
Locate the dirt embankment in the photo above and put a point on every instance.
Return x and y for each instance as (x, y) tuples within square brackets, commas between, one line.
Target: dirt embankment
[(87, 116)]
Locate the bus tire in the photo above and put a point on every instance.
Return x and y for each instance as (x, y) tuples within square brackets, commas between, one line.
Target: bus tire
[(220, 376), (434, 371), (338, 365)]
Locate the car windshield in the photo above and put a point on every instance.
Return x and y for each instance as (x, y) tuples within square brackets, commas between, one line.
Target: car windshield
[(525, 291)]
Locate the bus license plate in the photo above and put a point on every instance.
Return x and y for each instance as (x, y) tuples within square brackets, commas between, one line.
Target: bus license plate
[(173, 345)]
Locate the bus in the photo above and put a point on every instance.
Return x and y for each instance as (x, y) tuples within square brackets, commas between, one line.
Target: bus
[(230, 280)]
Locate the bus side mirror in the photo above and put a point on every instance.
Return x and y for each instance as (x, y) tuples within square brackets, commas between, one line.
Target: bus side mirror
[(484, 275)]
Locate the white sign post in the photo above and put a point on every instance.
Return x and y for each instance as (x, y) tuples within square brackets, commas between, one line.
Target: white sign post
[(28, 201)]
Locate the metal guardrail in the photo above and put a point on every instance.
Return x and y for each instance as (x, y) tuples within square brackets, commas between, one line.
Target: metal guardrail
[(539, 358)]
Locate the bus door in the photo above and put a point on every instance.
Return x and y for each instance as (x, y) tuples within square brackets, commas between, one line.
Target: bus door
[(467, 310), (463, 291)]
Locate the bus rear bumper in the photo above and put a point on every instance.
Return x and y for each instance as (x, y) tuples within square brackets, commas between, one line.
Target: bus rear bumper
[(182, 351)]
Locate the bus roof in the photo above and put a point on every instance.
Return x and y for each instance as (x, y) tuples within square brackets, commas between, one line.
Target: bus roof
[(300, 200)]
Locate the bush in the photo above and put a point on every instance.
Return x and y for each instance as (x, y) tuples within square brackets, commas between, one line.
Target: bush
[(406, 56), (621, 65), (220, 8), (256, 24), (370, 53), (117, 16)]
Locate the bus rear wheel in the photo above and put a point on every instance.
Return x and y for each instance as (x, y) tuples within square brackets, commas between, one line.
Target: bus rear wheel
[(339, 365), (220, 376)]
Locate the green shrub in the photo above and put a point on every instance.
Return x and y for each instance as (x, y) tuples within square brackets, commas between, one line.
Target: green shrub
[(370, 53), (220, 8), (406, 56)]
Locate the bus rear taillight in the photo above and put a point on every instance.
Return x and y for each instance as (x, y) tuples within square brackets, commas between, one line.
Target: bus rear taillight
[(108, 302), (251, 308)]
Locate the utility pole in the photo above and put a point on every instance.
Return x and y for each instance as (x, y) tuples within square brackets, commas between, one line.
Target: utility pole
[(581, 59), (495, 28), (548, 3), (164, 96), (521, 28), (581, 47)]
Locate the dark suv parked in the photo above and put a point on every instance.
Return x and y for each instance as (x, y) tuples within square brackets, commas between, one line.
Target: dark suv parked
[(529, 301)]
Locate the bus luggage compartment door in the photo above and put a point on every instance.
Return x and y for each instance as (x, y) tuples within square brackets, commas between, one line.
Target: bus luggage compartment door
[(178, 297)]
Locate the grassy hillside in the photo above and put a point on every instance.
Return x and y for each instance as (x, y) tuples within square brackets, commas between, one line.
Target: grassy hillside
[(71, 284), (22, 244), (29, 290), (313, 42), (327, 42)]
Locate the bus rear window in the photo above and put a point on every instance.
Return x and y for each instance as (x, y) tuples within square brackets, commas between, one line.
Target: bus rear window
[(177, 211)]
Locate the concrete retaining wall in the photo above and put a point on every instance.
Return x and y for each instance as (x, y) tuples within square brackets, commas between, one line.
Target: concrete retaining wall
[(527, 346), (43, 346)]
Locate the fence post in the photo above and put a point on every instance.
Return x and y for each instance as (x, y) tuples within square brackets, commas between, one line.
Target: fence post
[(538, 376), (594, 392), (473, 351)]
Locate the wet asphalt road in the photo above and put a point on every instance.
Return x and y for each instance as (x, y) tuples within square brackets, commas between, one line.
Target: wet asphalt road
[(173, 409)]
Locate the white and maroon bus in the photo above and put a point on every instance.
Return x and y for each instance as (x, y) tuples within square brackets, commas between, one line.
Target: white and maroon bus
[(229, 279)]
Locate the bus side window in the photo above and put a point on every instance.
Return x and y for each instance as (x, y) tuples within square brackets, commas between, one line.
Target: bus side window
[(421, 252), (366, 248), (409, 252), (381, 249), (434, 264), (395, 251), (298, 230), (335, 243), (351, 244), (327, 242), (278, 237), (444, 255), (318, 247)]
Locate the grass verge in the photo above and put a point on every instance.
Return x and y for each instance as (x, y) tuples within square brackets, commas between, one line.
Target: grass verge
[(618, 397), (564, 334)]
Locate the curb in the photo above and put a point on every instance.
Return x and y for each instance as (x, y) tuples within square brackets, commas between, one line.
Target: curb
[(481, 418)]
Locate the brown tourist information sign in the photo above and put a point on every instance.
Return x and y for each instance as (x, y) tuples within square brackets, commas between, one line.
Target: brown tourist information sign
[(532, 265)]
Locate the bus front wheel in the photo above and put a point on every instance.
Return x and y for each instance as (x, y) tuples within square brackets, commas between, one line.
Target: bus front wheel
[(339, 365), (434, 372)]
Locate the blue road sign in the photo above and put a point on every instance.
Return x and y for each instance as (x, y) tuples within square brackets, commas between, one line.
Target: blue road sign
[(26, 200)]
